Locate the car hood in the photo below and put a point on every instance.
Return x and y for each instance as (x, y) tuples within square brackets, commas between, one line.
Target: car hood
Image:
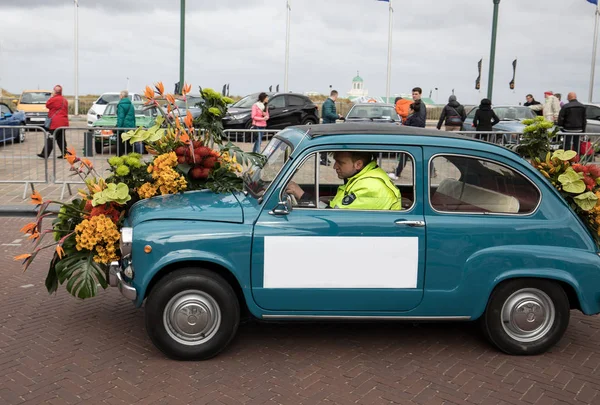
[(376, 120), (236, 111), (190, 206), (510, 126)]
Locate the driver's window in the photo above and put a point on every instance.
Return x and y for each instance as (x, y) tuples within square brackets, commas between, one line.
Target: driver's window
[(277, 102), (4, 109)]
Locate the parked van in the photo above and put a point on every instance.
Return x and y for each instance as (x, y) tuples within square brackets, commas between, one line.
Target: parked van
[(33, 104)]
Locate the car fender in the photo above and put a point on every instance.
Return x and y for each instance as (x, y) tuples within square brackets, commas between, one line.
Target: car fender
[(487, 268), (182, 256)]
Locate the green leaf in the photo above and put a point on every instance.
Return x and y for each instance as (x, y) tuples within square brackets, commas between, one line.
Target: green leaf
[(82, 274), (571, 181), (564, 155), (118, 193), (52, 278), (586, 201)]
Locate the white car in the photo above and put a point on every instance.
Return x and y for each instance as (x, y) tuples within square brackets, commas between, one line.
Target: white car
[(100, 105)]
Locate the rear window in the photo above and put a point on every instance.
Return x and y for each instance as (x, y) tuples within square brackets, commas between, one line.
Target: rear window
[(296, 101)]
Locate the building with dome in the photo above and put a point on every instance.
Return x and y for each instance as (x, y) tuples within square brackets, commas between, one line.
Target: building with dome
[(358, 88)]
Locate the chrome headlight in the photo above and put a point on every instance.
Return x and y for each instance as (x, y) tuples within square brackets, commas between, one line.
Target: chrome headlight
[(92, 112), (126, 240)]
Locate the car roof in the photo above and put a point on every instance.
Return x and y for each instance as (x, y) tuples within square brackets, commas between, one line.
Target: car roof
[(37, 91), (371, 128), (117, 92)]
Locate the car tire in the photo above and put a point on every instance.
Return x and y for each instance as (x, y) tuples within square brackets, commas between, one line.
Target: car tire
[(526, 316), (309, 121), (21, 137), (247, 137), (98, 148), (211, 309)]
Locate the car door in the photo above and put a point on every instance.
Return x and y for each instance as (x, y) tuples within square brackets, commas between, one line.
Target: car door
[(279, 116), (592, 115), (7, 119), (295, 107), (468, 122), (321, 259)]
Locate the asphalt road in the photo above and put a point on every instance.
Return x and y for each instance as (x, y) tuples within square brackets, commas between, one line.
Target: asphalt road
[(59, 350)]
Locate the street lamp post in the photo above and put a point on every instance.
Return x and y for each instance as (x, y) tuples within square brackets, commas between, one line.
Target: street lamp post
[(76, 57), (182, 46), (287, 46), (493, 49)]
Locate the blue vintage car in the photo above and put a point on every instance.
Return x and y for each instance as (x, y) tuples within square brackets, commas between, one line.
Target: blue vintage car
[(11, 118), (481, 236)]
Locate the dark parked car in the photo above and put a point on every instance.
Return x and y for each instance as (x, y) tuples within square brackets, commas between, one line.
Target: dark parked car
[(8, 117), (284, 110)]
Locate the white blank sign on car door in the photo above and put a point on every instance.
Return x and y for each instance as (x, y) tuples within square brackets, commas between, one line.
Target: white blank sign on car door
[(341, 262)]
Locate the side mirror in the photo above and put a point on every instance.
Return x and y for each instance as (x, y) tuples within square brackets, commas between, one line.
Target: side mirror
[(15, 102), (98, 116), (283, 207), (7, 115)]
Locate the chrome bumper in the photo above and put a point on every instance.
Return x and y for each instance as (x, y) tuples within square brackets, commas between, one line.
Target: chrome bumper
[(115, 279)]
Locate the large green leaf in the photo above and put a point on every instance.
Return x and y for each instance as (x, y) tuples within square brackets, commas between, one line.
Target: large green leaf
[(52, 277), (564, 155), (118, 193), (571, 181), (586, 201), (82, 274)]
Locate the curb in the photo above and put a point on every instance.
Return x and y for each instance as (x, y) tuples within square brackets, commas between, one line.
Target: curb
[(22, 210)]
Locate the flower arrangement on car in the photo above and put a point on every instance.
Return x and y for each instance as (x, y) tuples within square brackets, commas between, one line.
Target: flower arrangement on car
[(86, 230), (579, 184)]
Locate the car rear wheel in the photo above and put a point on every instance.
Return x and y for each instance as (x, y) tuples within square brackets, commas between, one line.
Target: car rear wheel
[(309, 121), (526, 316), (192, 314), (21, 137)]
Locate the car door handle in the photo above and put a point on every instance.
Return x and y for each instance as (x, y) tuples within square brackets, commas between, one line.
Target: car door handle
[(285, 110), (413, 224)]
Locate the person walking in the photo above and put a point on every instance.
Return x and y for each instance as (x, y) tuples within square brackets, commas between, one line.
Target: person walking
[(416, 95), (260, 116), (536, 106), (551, 107), (125, 119), (572, 119), (402, 106), (452, 115), (58, 113), (414, 119), (485, 118), (328, 111), (559, 97)]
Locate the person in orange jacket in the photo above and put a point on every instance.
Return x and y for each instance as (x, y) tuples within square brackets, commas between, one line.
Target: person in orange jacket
[(402, 105)]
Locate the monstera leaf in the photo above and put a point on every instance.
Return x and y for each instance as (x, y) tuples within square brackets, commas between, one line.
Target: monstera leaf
[(586, 201), (564, 155), (571, 181), (118, 193), (81, 273)]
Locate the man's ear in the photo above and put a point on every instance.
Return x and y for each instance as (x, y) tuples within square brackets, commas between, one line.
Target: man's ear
[(359, 165)]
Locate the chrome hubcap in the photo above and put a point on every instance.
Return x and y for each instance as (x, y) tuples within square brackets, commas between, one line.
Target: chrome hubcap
[(22, 134), (528, 315), (192, 317)]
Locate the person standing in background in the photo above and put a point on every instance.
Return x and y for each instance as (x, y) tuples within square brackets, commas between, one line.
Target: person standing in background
[(572, 118), (422, 109), (453, 114), (260, 116), (329, 112), (125, 119), (485, 118), (58, 112), (402, 107), (551, 107)]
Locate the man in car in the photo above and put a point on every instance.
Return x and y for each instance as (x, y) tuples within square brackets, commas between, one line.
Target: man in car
[(416, 95), (366, 186), (572, 119)]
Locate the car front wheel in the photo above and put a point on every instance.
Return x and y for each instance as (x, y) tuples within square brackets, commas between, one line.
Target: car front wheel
[(192, 314), (526, 316), (21, 137)]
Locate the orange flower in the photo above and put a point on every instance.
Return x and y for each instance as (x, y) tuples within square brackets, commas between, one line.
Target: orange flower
[(87, 162), (59, 251), (189, 119), (34, 235), (160, 88), (170, 98), (71, 156), (29, 228), (149, 93), (186, 89), (36, 198), (23, 257), (185, 138), (169, 109)]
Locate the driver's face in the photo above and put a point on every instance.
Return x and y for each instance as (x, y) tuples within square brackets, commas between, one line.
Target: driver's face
[(344, 166)]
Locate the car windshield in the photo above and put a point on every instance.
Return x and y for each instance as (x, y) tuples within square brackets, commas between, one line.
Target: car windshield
[(246, 102), (258, 179), (111, 109), (140, 109), (373, 112), (35, 97), (108, 98), (514, 113), (192, 102)]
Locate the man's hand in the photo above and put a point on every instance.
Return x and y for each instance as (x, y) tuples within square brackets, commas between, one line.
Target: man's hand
[(295, 190)]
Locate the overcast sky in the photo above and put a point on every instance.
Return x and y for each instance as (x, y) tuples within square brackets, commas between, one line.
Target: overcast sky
[(436, 43)]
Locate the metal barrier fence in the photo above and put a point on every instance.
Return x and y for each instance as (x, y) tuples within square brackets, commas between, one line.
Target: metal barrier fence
[(245, 138), (19, 160)]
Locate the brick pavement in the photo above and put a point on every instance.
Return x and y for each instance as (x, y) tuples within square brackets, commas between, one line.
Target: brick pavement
[(58, 350)]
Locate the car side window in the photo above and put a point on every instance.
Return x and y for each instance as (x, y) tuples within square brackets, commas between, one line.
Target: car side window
[(592, 112), (471, 114), (295, 101), (277, 102), (316, 183), (471, 185), (4, 109)]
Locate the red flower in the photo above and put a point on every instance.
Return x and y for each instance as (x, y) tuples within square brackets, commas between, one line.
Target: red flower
[(594, 171), (209, 162), (575, 159), (577, 167)]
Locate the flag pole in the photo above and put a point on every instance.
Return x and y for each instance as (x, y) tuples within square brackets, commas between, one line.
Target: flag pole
[(389, 62), (287, 47), (76, 57), (591, 94)]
